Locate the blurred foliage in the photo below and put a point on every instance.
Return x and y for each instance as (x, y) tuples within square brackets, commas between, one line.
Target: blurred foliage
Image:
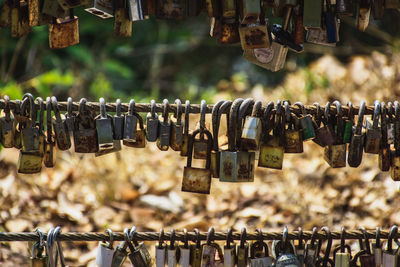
[(162, 59)]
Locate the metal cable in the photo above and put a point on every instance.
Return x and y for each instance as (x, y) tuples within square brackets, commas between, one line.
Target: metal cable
[(154, 236)]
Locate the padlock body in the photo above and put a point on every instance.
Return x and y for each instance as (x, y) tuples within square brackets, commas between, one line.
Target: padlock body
[(261, 262), (251, 133), (104, 132), (64, 33), (196, 180), (30, 139), (49, 156), (229, 256), (324, 136), (389, 259), (348, 131), (293, 141), (7, 132), (152, 128), (39, 262), (384, 158), (342, 259), (184, 260), (176, 136), (195, 256), (254, 36), (61, 135), (208, 256), (227, 31), (104, 255), (271, 154), (363, 14), (20, 20), (312, 14), (118, 123), (272, 58), (242, 255), (335, 155), (367, 261), (115, 147), (307, 126), (395, 168), (130, 128), (165, 129), (372, 141), (237, 166), (355, 150), (5, 15), (140, 140), (122, 23), (85, 141), (119, 258), (171, 258), (250, 11), (29, 162)]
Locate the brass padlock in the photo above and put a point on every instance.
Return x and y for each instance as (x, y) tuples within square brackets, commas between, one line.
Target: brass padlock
[(64, 32), (357, 140), (293, 137), (374, 134), (335, 154), (7, 126), (85, 133), (140, 136), (177, 128), (227, 30), (272, 150), (20, 19), (122, 22), (198, 180), (38, 259), (218, 109)]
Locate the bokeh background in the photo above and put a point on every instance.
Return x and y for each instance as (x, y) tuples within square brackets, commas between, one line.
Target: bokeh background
[(141, 187)]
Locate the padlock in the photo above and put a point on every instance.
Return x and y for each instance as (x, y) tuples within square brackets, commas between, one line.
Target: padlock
[(390, 255), (285, 254), (312, 14), (252, 129), (177, 128), (374, 134), (342, 258), (226, 30), (218, 108), (236, 166), (140, 136), (395, 162), (254, 36), (249, 11), (173, 252), (130, 121), (152, 123), (310, 256), (61, 132), (271, 149), (184, 260), (247, 173), (210, 250), (67, 4), (64, 32), (306, 123), (17, 134), (378, 9), (300, 249), (259, 255), (200, 144), (384, 147), (7, 126), (392, 4), (105, 253), (293, 141), (297, 24), (335, 155), (165, 129), (122, 22), (331, 23), (49, 156), (53, 9), (138, 254), (5, 14), (229, 250), (228, 9), (197, 180), (136, 10), (161, 251), (363, 14), (104, 128), (357, 140), (40, 123), (195, 251), (118, 122), (38, 259), (69, 117), (29, 131), (324, 135), (344, 8), (242, 250), (186, 134), (20, 19), (34, 12), (120, 255), (171, 9), (377, 248), (348, 122), (102, 8), (85, 133)]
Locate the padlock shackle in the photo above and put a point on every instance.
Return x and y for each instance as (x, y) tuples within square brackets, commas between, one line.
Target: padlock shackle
[(300, 238), (103, 112), (69, 106), (153, 109), (57, 114), (82, 106), (209, 147), (243, 109), (256, 108), (360, 119), (229, 238), (301, 107), (28, 98), (198, 239), (210, 235), (375, 116), (118, 107), (178, 113), (328, 246), (378, 237), (392, 234), (350, 112), (232, 123), (186, 124), (215, 123), (366, 240), (203, 109), (165, 110), (131, 108), (339, 122), (7, 109), (110, 238), (318, 114), (243, 235), (41, 113), (185, 238), (49, 130), (161, 239), (172, 239)]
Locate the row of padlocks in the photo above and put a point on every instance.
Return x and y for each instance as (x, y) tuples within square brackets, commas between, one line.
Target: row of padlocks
[(248, 22), (255, 133)]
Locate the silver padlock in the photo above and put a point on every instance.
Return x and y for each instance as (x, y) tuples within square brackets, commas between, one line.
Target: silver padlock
[(229, 250), (130, 126), (161, 250), (165, 128), (152, 123), (259, 254), (69, 117), (105, 251), (118, 121)]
